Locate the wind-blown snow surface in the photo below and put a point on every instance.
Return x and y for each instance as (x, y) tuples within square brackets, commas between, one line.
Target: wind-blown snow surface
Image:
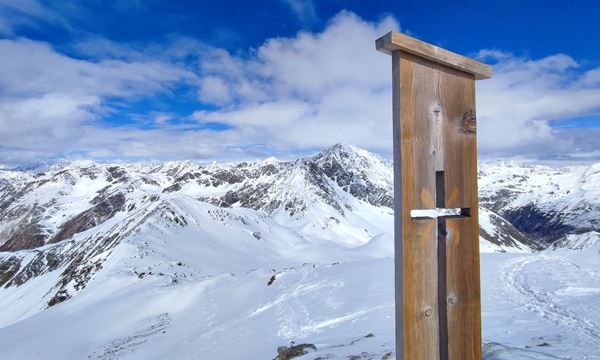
[(175, 260)]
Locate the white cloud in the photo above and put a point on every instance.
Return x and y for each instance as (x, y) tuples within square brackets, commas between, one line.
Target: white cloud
[(171, 48), (129, 142), (311, 90), (316, 89), (590, 79), (214, 90), (30, 67), (47, 98), (514, 107), (16, 13), (49, 118), (302, 92), (162, 118), (30, 7), (303, 9)]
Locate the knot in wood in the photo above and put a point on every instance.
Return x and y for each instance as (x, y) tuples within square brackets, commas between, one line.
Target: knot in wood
[(436, 111), (468, 124)]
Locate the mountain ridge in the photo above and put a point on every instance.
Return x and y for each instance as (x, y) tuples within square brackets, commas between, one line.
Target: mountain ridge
[(164, 245), (69, 219)]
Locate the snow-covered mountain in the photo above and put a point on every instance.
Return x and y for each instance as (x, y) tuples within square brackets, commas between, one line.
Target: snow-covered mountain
[(184, 259), (545, 204)]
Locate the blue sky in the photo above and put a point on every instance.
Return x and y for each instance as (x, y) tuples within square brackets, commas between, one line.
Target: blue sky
[(134, 79)]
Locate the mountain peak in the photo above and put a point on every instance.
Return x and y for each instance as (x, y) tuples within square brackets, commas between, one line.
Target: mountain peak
[(351, 157), (342, 148)]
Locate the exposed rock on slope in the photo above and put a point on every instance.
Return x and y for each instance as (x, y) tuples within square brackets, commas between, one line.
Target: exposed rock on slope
[(67, 219), (545, 204)]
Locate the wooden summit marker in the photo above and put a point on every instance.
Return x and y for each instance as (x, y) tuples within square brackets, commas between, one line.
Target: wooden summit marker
[(438, 309)]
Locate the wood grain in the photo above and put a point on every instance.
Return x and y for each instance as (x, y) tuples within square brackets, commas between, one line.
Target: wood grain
[(398, 209), (419, 238), (434, 130), (462, 256), (394, 41)]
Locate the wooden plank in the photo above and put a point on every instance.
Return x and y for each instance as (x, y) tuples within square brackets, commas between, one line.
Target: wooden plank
[(438, 311), (398, 208), (394, 41), (435, 88), (419, 238), (462, 255)]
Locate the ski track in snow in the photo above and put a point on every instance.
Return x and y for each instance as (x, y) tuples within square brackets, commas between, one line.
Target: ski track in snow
[(546, 302), (496, 351), (123, 346)]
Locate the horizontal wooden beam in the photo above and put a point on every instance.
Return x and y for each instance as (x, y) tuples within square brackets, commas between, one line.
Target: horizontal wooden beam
[(394, 41)]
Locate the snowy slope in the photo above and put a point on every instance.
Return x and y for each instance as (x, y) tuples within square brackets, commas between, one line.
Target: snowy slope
[(534, 306), (544, 203), (59, 227), (69, 218), (228, 261)]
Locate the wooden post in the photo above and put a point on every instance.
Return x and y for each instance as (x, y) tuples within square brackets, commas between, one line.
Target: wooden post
[(438, 308)]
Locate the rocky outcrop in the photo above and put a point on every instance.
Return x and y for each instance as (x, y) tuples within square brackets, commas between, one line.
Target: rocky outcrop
[(9, 267), (41, 212), (102, 211), (25, 234), (545, 204), (499, 231), (294, 351), (292, 186), (353, 171)]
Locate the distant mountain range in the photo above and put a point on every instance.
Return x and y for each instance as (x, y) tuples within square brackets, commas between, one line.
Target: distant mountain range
[(75, 214), (67, 227)]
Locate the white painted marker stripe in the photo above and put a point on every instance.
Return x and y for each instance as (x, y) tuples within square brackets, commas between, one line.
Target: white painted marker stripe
[(435, 213)]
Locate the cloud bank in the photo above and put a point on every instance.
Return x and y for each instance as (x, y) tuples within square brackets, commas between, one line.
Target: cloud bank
[(288, 96), (517, 104), (50, 102), (309, 91)]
